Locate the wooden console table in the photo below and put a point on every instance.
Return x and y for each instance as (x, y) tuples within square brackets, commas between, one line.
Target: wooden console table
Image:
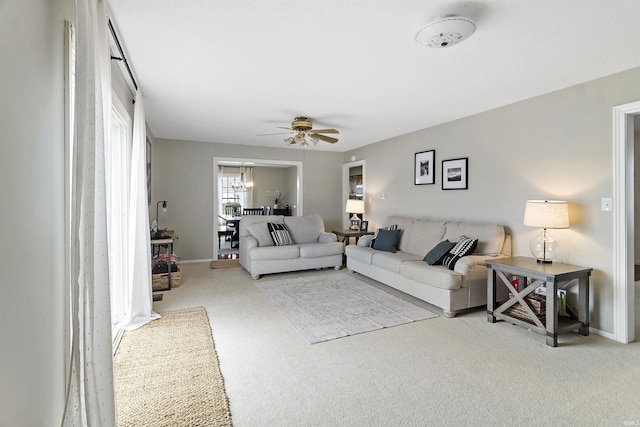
[(554, 276), (347, 234)]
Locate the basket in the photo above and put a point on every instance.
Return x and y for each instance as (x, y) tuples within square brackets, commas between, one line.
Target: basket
[(161, 281)]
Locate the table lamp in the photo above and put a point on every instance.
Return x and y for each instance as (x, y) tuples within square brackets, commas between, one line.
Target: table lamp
[(545, 214), (354, 207)]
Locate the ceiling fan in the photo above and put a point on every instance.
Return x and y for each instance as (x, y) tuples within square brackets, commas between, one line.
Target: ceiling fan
[(303, 128)]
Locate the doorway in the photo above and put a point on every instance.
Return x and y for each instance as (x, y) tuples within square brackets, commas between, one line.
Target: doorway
[(623, 222), (293, 189), (353, 186)]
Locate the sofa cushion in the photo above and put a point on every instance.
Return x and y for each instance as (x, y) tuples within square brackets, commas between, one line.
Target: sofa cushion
[(490, 236), (247, 220), (261, 232), (392, 261), (304, 229), (279, 234), (360, 253), (314, 250), (433, 275), (435, 255), (386, 240), (421, 236), (272, 253), (464, 246)]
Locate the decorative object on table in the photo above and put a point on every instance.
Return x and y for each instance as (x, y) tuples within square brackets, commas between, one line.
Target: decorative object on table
[(545, 214), (425, 168), (355, 207), (277, 199), (455, 174), (446, 32), (364, 225)]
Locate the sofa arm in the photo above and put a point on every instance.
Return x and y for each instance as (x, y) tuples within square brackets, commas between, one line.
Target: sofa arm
[(466, 263), (365, 240), (327, 237), (246, 243)]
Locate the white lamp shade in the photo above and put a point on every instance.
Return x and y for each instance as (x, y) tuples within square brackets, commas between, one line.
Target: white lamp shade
[(546, 214), (354, 206)]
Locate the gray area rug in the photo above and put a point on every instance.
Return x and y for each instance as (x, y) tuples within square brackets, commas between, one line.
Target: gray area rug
[(332, 306)]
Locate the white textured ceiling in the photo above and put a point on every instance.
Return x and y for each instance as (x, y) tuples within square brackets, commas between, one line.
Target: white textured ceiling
[(226, 71)]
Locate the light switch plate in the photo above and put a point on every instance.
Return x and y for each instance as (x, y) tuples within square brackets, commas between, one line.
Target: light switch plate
[(607, 204)]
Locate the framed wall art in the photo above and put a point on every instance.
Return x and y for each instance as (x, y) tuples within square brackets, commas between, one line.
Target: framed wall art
[(425, 168), (455, 174)]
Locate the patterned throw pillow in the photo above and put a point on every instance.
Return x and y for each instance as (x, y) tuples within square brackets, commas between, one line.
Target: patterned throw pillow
[(465, 246), (279, 234)]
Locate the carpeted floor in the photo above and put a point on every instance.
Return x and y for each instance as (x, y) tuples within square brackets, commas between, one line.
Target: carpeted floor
[(333, 306), (442, 372), (166, 374)]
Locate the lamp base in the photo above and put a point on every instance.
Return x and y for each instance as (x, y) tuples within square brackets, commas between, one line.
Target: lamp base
[(544, 248)]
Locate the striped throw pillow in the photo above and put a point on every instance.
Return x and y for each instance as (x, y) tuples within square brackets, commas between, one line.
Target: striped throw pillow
[(279, 234), (464, 246)]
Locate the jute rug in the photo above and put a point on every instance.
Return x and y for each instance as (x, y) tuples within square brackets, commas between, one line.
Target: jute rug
[(332, 306), (166, 374)]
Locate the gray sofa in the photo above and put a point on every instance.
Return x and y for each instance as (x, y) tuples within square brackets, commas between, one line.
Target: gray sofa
[(311, 248), (463, 287)]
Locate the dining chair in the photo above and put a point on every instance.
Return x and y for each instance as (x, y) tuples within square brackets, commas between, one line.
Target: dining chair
[(252, 211)]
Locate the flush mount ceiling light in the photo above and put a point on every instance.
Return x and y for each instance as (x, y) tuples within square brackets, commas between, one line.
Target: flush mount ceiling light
[(446, 32)]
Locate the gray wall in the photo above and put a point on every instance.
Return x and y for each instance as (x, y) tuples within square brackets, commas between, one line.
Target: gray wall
[(556, 146), (33, 354), (182, 174)]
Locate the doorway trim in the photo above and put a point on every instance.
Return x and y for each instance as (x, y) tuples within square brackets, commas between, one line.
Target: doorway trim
[(345, 186), (258, 163), (623, 222)]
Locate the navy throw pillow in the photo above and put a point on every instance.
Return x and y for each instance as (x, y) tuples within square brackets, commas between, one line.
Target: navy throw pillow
[(435, 255), (386, 240)]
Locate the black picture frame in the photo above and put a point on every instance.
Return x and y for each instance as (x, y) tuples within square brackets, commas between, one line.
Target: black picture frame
[(364, 225), (424, 168), (455, 174)]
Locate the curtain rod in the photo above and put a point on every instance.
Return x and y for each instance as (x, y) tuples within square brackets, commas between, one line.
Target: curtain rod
[(123, 58)]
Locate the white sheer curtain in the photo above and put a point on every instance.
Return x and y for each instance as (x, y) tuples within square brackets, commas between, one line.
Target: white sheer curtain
[(90, 397), (138, 302)]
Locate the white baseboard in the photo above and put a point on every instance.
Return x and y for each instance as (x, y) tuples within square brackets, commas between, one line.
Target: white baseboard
[(193, 261), (602, 333)]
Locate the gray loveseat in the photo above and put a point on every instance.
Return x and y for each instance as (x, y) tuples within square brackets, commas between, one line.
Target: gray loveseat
[(311, 246), (463, 287)]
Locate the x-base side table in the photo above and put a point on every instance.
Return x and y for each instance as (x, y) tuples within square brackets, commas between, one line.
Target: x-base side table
[(554, 276)]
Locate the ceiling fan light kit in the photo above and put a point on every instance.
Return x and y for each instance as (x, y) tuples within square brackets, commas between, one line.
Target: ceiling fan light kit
[(303, 128), (446, 32)]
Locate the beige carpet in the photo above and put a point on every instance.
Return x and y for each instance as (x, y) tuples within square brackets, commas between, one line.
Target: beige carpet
[(166, 374)]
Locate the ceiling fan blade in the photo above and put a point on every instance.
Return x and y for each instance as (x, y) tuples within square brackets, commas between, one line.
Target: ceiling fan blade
[(322, 131), (280, 127), (269, 134), (326, 138)]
